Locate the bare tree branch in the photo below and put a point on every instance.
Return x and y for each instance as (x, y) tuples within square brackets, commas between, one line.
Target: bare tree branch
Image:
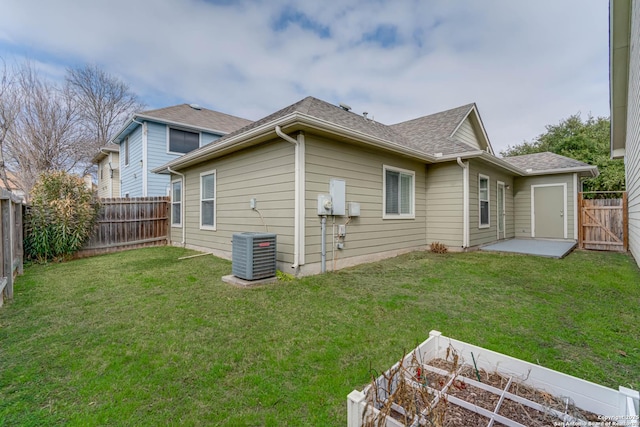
[(105, 101)]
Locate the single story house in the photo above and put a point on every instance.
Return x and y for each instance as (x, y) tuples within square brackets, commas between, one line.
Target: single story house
[(624, 55), (152, 138), (396, 188)]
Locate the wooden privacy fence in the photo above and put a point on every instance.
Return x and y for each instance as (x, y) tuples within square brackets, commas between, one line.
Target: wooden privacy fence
[(127, 223), (602, 222), (11, 211)]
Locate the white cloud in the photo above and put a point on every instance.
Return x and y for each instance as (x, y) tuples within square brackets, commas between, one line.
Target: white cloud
[(526, 64)]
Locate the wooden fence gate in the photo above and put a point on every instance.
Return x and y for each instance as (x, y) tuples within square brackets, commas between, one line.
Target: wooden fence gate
[(127, 223), (602, 222)]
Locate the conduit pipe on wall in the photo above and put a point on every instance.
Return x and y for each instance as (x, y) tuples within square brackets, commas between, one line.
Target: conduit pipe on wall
[(465, 202), (298, 213), (182, 204)]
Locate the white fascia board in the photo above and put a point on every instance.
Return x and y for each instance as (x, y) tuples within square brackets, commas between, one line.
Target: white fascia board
[(210, 151), (490, 158), (474, 110), (180, 124), (363, 137), (619, 49), (593, 170)]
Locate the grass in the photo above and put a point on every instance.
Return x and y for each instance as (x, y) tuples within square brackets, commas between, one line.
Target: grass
[(142, 338)]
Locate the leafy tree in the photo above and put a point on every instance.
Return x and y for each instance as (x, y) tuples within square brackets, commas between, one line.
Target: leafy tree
[(60, 218), (587, 141)]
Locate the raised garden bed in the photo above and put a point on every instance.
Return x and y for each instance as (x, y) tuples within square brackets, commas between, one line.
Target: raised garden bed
[(445, 382)]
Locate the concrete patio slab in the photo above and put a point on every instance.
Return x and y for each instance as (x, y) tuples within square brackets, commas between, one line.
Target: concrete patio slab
[(538, 247)]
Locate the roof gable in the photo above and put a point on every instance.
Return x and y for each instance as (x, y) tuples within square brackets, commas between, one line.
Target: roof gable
[(437, 133), (199, 117)]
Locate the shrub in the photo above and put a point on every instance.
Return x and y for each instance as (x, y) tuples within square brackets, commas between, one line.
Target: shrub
[(60, 217), (438, 248)]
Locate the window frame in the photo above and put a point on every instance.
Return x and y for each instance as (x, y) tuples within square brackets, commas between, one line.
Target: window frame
[(214, 199), (126, 150), (169, 128), (487, 201), (179, 202), (412, 214)]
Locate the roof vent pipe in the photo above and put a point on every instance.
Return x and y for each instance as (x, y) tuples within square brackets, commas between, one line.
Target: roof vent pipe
[(364, 114)]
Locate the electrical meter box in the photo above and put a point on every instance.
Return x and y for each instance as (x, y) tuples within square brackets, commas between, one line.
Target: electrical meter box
[(338, 192), (325, 205)]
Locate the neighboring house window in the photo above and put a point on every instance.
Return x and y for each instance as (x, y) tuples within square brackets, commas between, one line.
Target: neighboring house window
[(208, 200), (399, 193), (126, 151), (101, 174), (181, 141), (483, 198), (176, 203)]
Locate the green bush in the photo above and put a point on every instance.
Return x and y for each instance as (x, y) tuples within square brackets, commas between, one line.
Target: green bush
[(60, 217)]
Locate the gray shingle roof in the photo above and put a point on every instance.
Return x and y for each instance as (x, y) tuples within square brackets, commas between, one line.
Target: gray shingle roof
[(202, 118), (429, 134), (433, 132), (544, 161)]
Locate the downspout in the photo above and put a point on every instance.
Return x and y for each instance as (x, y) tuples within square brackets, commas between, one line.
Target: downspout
[(298, 211), (465, 202), (182, 204)]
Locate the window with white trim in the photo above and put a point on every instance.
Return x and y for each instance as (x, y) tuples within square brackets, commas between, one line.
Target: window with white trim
[(126, 151), (182, 141), (483, 201), (399, 193), (208, 200), (176, 203)]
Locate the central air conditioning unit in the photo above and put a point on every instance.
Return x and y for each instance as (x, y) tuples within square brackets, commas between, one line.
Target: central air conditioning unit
[(253, 255)]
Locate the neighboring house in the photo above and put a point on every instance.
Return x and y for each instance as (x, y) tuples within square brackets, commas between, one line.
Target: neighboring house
[(625, 105), (14, 185), (432, 179), (108, 162), (152, 138)]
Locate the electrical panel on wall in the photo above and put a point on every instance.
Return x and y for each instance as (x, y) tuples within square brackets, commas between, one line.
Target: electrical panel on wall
[(338, 192), (324, 204)]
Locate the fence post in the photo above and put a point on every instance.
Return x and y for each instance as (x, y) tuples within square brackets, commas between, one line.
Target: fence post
[(625, 222), (580, 227), (7, 243)]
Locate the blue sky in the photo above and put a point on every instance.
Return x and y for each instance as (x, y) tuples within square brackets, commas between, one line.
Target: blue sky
[(526, 64)]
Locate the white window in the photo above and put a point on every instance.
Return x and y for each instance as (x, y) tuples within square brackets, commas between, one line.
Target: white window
[(399, 193), (208, 200), (182, 141), (126, 151), (483, 201), (176, 203)]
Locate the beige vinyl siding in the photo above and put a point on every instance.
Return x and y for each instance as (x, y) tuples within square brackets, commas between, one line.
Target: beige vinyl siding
[(444, 192), (362, 170), (467, 134), (632, 156), (478, 235), (522, 200), (265, 172), (109, 186)]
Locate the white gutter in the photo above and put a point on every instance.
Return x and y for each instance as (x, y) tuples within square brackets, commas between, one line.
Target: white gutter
[(201, 154), (299, 191), (182, 204), (465, 202)]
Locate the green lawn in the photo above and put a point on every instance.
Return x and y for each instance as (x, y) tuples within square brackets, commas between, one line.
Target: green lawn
[(142, 338)]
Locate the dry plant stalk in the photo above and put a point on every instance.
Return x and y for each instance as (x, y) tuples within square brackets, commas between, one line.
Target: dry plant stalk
[(438, 248)]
